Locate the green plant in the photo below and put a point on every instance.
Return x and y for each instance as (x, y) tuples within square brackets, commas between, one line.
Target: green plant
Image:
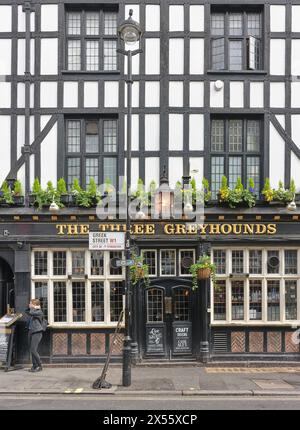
[(139, 270), (85, 198), (224, 191), (267, 191), (140, 194), (61, 186), (206, 190), (239, 195), (285, 195), (17, 188), (36, 188), (204, 262), (6, 194)]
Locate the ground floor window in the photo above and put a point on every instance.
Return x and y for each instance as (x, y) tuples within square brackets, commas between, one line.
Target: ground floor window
[(256, 286), (77, 286)]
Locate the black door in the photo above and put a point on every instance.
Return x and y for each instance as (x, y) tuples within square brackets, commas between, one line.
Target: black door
[(168, 321)]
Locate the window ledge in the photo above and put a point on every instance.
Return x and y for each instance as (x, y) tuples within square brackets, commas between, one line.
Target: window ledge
[(237, 72), (90, 72)]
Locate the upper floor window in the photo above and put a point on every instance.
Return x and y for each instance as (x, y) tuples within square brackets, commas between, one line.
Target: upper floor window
[(236, 41), (91, 40), (235, 147)]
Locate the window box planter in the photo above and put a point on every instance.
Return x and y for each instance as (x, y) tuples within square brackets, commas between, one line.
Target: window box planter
[(18, 200), (32, 198), (67, 199)]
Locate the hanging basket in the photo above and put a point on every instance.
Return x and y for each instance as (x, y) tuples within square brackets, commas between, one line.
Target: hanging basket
[(140, 273), (204, 273)]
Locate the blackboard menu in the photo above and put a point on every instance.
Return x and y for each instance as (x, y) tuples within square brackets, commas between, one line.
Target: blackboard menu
[(182, 338), (155, 339), (4, 343)]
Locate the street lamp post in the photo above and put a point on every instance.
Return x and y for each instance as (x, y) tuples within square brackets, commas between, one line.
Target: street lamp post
[(129, 33)]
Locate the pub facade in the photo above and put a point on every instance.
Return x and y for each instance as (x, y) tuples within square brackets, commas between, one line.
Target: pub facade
[(215, 94)]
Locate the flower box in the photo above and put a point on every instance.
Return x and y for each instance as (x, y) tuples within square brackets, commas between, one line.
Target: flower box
[(18, 200)]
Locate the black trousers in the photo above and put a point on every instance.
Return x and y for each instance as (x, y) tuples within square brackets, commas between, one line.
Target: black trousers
[(34, 341)]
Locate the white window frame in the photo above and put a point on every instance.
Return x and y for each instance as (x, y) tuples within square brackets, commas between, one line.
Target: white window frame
[(156, 262), (179, 265), (175, 265)]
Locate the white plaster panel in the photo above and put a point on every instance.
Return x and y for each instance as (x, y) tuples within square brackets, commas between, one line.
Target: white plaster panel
[(21, 176), (32, 56), (176, 18), (5, 95), (152, 17), (48, 94), (49, 17), (295, 57), (295, 170), (197, 18), (5, 18), (21, 95), (277, 94), (175, 170), (216, 97), (176, 56), (5, 57), (20, 134), (256, 94), (175, 132), (31, 96), (295, 90), (49, 157), (21, 19), (296, 129), (21, 56), (196, 94), (32, 21), (277, 157), (135, 172), (152, 56), (196, 169), (196, 133), (135, 59), (152, 94), (296, 18), (111, 94), (31, 129), (32, 170), (281, 120), (91, 94), (152, 172), (134, 132), (44, 120), (70, 94), (5, 147), (49, 56), (277, 57), (152, 132), (135, 94), (277, 17), (175, 94), (236, 94), (196, 56)]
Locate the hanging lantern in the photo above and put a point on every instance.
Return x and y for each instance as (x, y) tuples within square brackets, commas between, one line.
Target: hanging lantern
[(164, 199)]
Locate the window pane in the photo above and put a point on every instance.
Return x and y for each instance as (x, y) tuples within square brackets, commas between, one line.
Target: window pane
[(78, 295), (237, 300), (253, 171), (150, 260), (97, 301), (255, 300), (235, 55), (168, 260), (78, 263), (237, 262), (115, 271), (217, 171), (218, 54), (235, 170), (253, 136), (235, 24), (110, 136), (155, 305), (41, 293), (220, 261), (116, 300), (110, 55), (92, 55), (217, 135), (41, 263), (255, 261), (110, 170), (254, 53), (291, 300), (273, 262), (220, 301), (73, 136), (73, 170), (74, 55), (181, 304), (273, 301), (217, 24), (73, 23), (186, 260), (60, 301), (290, 262), (110, 23), (92, 23), (235, 135), (97, 263), (59, 263), (92, 137), (92, 170), (254, 24)]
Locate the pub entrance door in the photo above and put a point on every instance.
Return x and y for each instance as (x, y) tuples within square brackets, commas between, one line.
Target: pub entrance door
[(169, 321)]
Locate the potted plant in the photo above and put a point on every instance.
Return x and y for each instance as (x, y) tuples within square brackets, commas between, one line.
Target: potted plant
[(238, 196), (139, 271), (18, 198), (62, 191), (6, 198), (203, 269), (36, 189), (92, 192)]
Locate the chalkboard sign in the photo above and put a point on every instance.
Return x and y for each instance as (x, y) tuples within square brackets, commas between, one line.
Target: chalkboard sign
[(7, 331), (4, 343), (155, 339), (182, 338)]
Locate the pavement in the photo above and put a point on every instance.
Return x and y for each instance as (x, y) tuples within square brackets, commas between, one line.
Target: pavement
[(161, 380)]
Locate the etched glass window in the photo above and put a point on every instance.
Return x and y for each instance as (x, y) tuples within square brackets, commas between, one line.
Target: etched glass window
[(220, 301), (116, 300), (181, 304), (255, 300), (41, 293), (78, 299), (290, 261), (237, 262), (273, 292), (78, 263), (291, 300), (113, 270), (110, 135), (60, 301), (97, 289), (168, 262), (237, 300), (186, 260), (155, 305), (151, 261), (273, 261), (73, 136), (217, 135), (59, 263), (255, 261), (97, 263), (41, 263), (220, 261)]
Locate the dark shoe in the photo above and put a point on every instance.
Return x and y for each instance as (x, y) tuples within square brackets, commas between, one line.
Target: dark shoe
[(36, 369), (32, 369)]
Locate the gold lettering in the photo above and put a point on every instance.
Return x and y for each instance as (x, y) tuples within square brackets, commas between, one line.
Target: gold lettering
[(103, 227), (72, 229), (248, 229), (203, 228), (150, 229), (180, 229), (61, 229), (272, 229), (115, 227), (237, 229), (261, 229), (84, 229), (138, 229), (226, 228), (169, 229), (192, 229), (214, 229)]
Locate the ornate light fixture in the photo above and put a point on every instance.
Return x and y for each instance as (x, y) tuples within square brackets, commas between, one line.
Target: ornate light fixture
[(130, 31), (164, 198)]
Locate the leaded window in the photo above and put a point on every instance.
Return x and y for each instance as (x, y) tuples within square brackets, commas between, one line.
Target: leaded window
[(60, 302), (59, 263), (237, 300), (155, 305), (181, 304), (78, 296), (236, 40), (187, 258), (91, 40), (255, 261), (168, 262), (97, 263), (291, 262), (150, 259), (255, 300), (291, 300), (237, 261), (116, 300), (273, 291), (97, 301), (220, 301), (220, 261), (235, 152), (40, 263), (41, 293)]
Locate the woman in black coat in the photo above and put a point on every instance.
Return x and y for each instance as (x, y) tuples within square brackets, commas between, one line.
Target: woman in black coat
[(35, 333)]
